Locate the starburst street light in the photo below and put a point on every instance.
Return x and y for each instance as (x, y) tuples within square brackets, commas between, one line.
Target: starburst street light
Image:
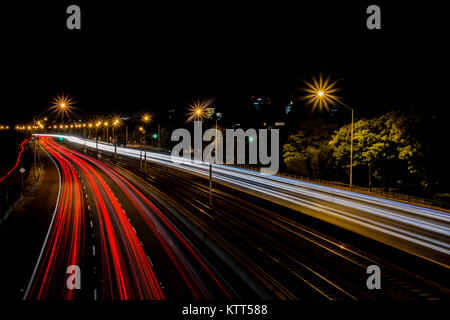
[(321, 94), (146, 118), (115, 123), (197, 110), (62, 104)]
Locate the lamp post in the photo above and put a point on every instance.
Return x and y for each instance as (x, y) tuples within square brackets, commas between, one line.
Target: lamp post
[(142, 130), (197, 112), (321, 94), (146, 118), (107, 136), (97, 126), (159, 131), (114, 125), (351, 137)]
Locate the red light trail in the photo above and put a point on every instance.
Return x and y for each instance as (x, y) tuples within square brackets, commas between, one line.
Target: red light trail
[(126, 270), (18, 159)]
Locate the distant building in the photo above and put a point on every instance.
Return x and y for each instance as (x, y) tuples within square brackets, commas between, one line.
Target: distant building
[(290, 104), (289, 107), (171, 113), (258, 101)]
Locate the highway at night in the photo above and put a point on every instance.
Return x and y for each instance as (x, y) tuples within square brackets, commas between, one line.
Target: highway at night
[(418, 230), (191, 161), (91, 229), (153, 235)]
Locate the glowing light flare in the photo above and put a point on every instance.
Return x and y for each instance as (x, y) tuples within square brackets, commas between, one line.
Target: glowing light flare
[(320, 93), (18, 159), (197, 109), (62, 104), (129, 266), (146, 117), (116, 122), (166, 239)]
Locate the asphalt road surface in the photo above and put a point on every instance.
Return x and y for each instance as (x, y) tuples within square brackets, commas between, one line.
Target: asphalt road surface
[(152, 234)]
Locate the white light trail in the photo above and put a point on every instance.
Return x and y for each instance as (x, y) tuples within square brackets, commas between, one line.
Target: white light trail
[(418, 230)]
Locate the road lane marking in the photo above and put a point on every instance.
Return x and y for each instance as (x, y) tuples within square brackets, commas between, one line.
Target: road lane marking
[(150, 260)]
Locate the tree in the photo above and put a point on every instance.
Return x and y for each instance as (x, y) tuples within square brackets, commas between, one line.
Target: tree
[(388, 146), (307, 152), (165, 137)]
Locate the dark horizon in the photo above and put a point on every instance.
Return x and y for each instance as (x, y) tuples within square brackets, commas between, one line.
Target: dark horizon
[(121, 60)]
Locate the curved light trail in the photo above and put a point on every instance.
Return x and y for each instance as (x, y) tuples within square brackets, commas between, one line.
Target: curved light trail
[(18, 159), (126, 270), (421, 231)]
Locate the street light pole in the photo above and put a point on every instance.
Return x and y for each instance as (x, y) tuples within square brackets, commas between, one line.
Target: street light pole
[(158, 133), (351, 152), (351, 138), (210, 171), (96, 140), (114, 139), (145, 155), (140, 154), (210, 184)]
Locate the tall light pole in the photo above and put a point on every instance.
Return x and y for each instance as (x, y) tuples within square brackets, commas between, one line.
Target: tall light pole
[(146, 118), (321, 93), (159, 131), (115, 124), (106, 125), (97, 127), (351, 137), (142, 130), (197, 113)]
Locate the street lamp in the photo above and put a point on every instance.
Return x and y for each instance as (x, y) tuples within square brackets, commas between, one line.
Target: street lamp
[(351, 137), (97, 127), (197, 113), (106, 125), (62, 104), (116, 123), (146, 118), (321, 93), (142, 130)]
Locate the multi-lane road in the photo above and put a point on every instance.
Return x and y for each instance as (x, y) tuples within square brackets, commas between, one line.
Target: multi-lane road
[(421, 231), (152, 234), (96, 226)]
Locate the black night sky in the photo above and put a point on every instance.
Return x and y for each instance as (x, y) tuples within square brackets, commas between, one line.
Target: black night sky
[(129, 57)]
